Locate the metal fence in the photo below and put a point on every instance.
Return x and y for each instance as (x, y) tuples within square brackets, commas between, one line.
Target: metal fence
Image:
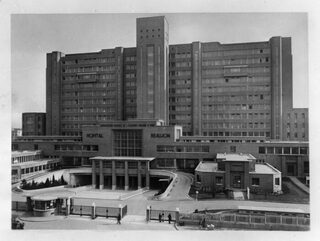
[(81, 210), (154, 215), (241, 218), (18, 206)]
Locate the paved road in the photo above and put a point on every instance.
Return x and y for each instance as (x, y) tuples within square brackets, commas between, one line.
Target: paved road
[(181, 187), (86, 223)]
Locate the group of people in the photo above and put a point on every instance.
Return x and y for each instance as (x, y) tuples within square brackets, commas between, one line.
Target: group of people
[(161, 217)]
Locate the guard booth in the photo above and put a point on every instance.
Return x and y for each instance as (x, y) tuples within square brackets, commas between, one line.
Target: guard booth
[(44, 206)]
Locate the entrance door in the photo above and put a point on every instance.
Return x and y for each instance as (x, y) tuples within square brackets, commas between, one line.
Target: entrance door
[(291, 169), (237, 180)]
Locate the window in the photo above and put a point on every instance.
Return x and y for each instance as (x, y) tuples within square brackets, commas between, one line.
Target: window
[(262, 150), (295, 150), (277, 181), (219, 180), (35, 146), (255, 181), (233, 149), (198, 178), (306, 167)]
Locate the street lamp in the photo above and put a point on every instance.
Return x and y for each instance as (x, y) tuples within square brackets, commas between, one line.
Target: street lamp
[(197, 192)]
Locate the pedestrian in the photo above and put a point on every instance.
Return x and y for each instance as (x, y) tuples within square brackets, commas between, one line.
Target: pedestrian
[(106, 213), (160, 216), (169, 217), (119, 219)]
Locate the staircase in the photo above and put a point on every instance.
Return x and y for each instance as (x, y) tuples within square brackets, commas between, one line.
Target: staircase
[(238, 195)]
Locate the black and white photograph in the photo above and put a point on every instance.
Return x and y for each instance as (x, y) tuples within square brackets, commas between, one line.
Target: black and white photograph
[(168, 121)]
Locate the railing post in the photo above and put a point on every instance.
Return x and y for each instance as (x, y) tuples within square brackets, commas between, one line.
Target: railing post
[(148, 213), (177, 215), (93, 211)]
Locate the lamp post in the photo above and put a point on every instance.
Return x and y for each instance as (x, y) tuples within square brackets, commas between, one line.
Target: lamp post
[(197, 192)]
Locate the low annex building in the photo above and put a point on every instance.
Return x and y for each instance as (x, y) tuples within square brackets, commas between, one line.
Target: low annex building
[(236, 172)]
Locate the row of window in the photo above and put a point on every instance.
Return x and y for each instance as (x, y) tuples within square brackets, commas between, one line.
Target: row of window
[(180, 64), (237, 98), (283, 150), (76, 147), (130, 75), (90, 93), (210, 89), (235, 61), (235, 52), (89, 85), (89, 61), (250, 125), (89, 76), (88, 102), (189, 148), (180, 99), (130, 83), (88, 118), (180, 82), (89, 69), (206, 107), (180, 91), (180, 117), (242, 116), (238, 70), (180, 73), (88, 110), (131, 67), (39, 168), (180, 108), (180, 55), (237, 80), (237, 133)]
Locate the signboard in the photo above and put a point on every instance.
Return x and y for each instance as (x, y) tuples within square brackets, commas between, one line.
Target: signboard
[(94, 135), (160, 135)]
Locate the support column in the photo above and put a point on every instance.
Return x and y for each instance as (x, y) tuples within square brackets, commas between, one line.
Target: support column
[(126, 176), (93, 174), (147, 175), (101, 183), (114, 179), (139, 174)]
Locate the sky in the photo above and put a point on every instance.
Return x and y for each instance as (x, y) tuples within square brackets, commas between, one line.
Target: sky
[(34, 35)]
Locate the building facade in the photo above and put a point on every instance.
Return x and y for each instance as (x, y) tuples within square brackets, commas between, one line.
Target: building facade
[(33, 124), (237, 171), (228, 91)]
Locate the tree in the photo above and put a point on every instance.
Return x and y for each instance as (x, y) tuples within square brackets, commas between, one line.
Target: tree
[(62, 181), (47, 183), (53, 181), (23, 183)]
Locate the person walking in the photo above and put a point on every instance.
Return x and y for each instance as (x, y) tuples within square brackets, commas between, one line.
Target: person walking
[(169, 218), (160, 216), (119, 219)]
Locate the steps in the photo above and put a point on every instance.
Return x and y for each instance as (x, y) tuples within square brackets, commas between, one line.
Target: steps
[(238, 195)]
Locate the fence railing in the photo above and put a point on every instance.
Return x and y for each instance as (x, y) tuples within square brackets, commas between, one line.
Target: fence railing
[(154, 215), (240, 218), (18, 206)]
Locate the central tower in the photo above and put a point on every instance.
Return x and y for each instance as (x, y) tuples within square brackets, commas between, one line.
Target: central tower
[(152, 68)]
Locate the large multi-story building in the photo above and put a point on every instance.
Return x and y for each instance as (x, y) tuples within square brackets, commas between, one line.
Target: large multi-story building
[(33, 124), (161, 106), (228, 91)]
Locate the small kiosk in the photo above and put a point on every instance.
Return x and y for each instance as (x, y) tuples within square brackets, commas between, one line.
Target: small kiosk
[(44, 205)]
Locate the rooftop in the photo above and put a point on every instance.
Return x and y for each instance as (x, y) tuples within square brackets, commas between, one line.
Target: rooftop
[(264, 169), (122, 158), (235, 157), (24, 153), (207, 167)]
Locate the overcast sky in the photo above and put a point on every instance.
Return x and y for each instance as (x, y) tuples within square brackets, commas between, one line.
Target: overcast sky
[(34, 35)]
